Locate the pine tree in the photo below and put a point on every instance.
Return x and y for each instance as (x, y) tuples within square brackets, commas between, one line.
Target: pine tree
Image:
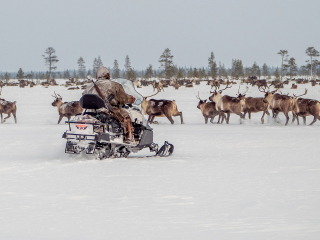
[(131, 74), (7, 77), (97, 63), (81, 68), (74, 75), (167, 63), (181, 73), (265, 70), (116, 70), (202, 73), (20, 74), (89, 72), (277, 74), (127, 64), (66, 74), (190, 73), (212, 66), (292, 67), (255, 69), (222, 72), (195, 73), (127, 67), (50, 60), (312, 53), (237, 68), (149, 72)]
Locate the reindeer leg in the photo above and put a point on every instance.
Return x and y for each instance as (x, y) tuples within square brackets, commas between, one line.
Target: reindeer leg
[(223, 117), (1, 118), (228, 117), (9, 115), (60, 118), (314, 120), (169, 118), (297, 119), (15, 117), (262, 118), (287, 116), (206, 120), (212, 118), (304, 120), (150, 119), (181, 117)]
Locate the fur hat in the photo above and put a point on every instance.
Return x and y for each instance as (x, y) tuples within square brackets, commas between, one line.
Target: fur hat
[(103, 73)]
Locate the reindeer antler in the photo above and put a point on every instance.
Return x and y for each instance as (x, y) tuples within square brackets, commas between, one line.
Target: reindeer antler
[(152, 95), (246, 91), (198, 97), (263, 89), (301, 94), (226, 86), (275, 90), (56, 95)]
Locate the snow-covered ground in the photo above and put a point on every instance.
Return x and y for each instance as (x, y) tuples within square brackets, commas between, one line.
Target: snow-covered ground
[(236, 181)]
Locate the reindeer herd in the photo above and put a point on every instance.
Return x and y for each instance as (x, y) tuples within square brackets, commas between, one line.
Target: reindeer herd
[(224, 105), (218, 105)]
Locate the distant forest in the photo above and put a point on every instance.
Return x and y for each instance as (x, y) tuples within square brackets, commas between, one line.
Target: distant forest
[(169, 70)]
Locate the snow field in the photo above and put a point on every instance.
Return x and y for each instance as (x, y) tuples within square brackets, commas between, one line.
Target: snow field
[(236, 181)]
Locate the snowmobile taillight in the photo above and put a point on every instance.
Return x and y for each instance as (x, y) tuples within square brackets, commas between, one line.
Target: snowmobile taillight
[(81, 126)]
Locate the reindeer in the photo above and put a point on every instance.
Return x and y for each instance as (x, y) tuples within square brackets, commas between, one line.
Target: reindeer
[(308, 107), (66, 109), (208, 109), (160, 108), (281, 103), (254, 105), (8, 108), (158, 86), (227, 104)]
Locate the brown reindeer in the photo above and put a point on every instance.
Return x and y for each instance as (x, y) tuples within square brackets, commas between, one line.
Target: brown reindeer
[(160, 108), (308, 107), (208, 109), (8, 108), (282, 103), (158, 86), (66, 109), (294, 86), (227, 104), (254, 105)]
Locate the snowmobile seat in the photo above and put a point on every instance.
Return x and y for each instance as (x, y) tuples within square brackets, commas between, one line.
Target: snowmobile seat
[(91, 101)]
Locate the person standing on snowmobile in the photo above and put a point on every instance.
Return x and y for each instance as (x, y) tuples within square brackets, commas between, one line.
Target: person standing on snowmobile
[(114, 91)]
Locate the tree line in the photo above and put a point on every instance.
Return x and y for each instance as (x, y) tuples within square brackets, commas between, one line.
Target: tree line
[(169, 70)]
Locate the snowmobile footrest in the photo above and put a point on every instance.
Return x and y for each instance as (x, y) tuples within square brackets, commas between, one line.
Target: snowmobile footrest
[(166, 150)]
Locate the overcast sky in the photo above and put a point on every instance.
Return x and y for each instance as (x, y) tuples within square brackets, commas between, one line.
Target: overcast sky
[(250, 30)]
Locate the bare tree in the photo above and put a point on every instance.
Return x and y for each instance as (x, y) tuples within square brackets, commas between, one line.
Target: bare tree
[(312, 53), (50, 59), (284, 55)]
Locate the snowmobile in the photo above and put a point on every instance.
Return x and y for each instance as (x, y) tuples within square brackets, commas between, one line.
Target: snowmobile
[(99, 133)]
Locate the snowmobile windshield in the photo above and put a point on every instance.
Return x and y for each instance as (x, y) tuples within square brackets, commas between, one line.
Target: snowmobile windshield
[(129, 89)]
